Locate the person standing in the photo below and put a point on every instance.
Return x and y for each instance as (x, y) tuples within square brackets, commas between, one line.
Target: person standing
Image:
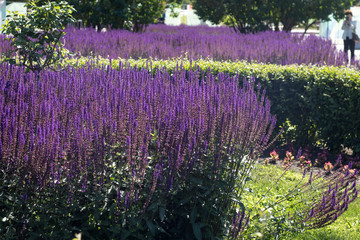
[(349, 27)]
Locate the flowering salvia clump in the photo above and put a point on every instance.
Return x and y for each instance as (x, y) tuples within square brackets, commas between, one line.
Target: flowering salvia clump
[(166, 42), (338, 191), (122, 146), (80, 130), (5, 46)]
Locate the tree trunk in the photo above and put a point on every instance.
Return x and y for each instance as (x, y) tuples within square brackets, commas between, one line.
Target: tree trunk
[(288, 23)]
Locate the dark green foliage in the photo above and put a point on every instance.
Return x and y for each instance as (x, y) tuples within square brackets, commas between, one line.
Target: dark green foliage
[(37, 35), (250, 16), (134, 15)]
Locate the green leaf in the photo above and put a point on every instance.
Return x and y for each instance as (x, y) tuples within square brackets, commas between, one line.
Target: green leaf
[(193, 215), (162, 213), (197, 230), (151, 226)]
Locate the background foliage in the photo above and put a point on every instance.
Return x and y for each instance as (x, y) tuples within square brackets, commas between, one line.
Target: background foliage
[(134, 15), (36, 37), (252, 16)]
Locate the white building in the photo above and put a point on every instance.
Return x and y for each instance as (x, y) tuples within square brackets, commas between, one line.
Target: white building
[(11, 6), (2, 10), (186, 16)]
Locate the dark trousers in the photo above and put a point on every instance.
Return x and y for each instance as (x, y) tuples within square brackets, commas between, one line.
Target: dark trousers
[(349, 44)]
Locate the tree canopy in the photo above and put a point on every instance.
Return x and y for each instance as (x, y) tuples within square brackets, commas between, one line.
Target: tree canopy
[(133, 15), (255, 15)]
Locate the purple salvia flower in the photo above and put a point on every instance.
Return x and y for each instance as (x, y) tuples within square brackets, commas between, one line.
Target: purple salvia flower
[(323, 203), (310, 177), (329, 189), (24, 197), (312, 213), (299, 153), (339, 160), (127, 200)]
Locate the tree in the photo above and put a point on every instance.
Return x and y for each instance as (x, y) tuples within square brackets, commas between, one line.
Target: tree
[(36, 35), (243, 15), (324, 10), (141, 13), (251, 16), (307, 12), (133, 15)]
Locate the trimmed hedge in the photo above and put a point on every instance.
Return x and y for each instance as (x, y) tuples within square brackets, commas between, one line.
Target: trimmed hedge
[(314, 104)]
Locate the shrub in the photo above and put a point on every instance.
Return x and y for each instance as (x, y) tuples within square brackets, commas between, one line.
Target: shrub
[(120, 154), (127, 154), (36, 35), (314, 105)]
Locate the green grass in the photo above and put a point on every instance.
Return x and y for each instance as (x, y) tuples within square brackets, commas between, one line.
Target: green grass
[(347, 227), (265, 188)]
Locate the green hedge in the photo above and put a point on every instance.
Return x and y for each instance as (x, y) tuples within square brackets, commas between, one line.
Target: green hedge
[(315, 105)]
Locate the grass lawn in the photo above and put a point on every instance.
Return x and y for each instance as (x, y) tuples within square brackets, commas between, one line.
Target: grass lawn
[(346, 227)]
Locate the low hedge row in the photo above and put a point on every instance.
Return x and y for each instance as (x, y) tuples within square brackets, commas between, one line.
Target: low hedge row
[(314, 104)]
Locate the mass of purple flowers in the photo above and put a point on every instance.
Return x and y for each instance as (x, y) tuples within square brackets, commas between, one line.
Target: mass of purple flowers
[(146, 134), (166, 42), (63, 126), (4, 45)]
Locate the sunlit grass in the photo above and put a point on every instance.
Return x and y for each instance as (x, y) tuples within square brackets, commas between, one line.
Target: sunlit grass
[(265, 188), (346, 227)]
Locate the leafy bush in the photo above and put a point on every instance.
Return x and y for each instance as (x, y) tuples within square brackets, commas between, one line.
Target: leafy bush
[(314, 105), (36, 35), (127, 154)]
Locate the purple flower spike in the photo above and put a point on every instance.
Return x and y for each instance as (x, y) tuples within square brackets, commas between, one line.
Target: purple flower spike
[(329, 189), (353, 185), (312, 213), (24, 197), (339, 159), (304, 173), (127, 200), (310, 177), (299, 154)]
